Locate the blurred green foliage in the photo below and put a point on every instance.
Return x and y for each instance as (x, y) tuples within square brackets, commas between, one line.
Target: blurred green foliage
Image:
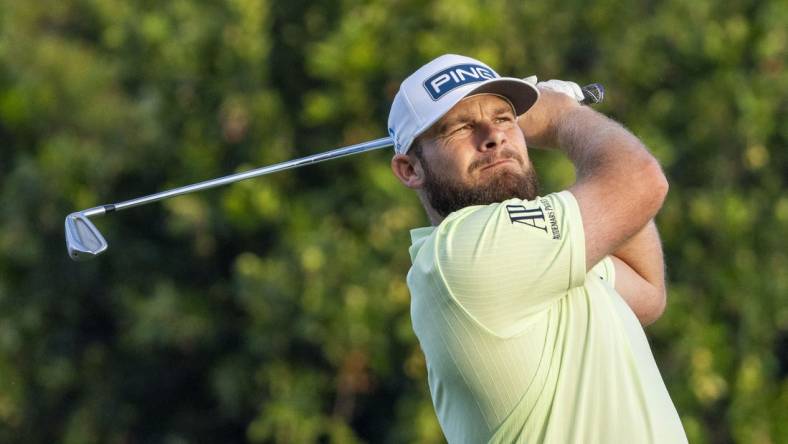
[(275, 310)]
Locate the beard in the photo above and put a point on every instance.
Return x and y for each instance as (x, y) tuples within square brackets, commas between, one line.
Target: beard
[(447, 196)]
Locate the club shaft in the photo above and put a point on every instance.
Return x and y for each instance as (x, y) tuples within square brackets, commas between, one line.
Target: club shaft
[(594, 93), (295, 163)]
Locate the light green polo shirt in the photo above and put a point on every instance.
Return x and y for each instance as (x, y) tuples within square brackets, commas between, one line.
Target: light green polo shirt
[(522, 345)]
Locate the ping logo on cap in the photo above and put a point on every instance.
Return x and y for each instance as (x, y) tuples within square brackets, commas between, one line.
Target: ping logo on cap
[(455, 76)]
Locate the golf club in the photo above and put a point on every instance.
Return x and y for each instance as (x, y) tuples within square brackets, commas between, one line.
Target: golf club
[(84, 241)]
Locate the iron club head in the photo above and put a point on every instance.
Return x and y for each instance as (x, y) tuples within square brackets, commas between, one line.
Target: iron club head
[(83, 240)]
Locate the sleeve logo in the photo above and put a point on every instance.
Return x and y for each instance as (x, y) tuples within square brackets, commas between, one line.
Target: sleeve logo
[(535, 217)]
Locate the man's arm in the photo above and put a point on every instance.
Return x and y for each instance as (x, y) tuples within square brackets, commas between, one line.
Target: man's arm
[(640, 274), (620, 185)]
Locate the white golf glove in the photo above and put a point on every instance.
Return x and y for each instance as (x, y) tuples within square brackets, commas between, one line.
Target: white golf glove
[(571, 89)]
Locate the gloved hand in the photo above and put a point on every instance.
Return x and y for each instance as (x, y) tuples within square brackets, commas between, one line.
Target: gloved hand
[(571, 89)]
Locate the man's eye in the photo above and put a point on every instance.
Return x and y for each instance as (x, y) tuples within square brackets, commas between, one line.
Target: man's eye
[(461, 128)]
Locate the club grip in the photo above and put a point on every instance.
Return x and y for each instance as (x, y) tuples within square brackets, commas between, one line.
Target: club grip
[(593, 93)]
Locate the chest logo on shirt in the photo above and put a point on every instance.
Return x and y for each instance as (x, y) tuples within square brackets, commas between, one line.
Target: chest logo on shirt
[(535, 217)]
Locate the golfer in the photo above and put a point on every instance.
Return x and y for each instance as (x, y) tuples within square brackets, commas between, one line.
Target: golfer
[(529, 308)]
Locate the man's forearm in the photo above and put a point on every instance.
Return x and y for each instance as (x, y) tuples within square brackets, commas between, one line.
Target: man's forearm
[(644, 287), (593, 142), (598, 145), (643, 253)]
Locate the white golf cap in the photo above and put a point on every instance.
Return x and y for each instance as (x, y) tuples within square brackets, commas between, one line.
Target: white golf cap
[(430, 92)]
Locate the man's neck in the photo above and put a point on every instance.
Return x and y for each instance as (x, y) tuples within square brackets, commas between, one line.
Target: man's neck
[(434, 217)]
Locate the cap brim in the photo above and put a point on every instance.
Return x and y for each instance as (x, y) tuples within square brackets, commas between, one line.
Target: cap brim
[(522, 94)]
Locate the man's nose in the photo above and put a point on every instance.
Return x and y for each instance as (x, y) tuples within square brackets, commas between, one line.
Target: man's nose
[(490, 137)]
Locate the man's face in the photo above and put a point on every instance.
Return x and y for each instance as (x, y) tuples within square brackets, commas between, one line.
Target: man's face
[(476, 155)]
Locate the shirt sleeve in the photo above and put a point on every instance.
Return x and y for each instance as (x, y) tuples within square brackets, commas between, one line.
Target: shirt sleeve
[(505, 262), (605, 270)]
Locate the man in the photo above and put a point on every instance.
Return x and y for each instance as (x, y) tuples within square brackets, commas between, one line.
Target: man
[(529, 309)]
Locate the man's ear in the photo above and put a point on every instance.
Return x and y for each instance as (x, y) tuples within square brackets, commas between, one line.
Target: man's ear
[(408, 170)]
